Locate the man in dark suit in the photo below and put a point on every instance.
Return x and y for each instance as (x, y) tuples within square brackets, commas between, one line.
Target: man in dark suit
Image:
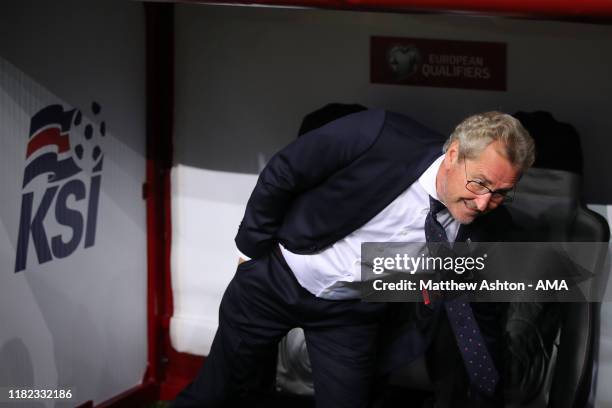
[(370, 176)]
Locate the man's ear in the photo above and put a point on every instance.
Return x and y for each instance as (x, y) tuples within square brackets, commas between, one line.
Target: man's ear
[(452, 154)]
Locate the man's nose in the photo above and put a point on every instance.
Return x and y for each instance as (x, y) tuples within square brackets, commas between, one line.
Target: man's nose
[(482, 202)]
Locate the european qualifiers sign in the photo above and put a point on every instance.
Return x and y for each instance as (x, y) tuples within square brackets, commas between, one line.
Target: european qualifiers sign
[(61, 184), (438, 63)]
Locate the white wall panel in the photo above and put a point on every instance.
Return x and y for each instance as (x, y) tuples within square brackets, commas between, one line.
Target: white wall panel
[(206, 210), (80, 320)]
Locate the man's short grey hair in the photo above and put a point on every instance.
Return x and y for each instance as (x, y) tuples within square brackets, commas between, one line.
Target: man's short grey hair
[(476, 132)]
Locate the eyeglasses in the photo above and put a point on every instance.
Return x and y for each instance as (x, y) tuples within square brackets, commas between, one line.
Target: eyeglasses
[(478, 188)]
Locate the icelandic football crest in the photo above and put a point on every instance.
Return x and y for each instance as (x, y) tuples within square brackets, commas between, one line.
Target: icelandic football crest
[(61, 184)]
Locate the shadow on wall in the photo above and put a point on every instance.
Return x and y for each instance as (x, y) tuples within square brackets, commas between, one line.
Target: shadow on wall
[(16, 369)]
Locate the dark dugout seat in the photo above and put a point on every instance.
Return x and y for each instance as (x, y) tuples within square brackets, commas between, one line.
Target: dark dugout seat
[(552, 347)]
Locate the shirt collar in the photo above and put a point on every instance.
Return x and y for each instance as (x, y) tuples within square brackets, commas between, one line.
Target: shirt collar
[(428, 178)]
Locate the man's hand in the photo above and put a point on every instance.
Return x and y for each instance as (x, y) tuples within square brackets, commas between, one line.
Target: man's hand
[(241, 260)]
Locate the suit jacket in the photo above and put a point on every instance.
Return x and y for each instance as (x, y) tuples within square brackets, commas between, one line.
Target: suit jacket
[(332, 180)]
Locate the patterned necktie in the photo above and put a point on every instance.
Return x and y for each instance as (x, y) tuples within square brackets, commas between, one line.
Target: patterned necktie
[(476, 357)]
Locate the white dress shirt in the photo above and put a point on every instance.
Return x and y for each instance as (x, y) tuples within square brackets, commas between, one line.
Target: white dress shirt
[(329, 273)]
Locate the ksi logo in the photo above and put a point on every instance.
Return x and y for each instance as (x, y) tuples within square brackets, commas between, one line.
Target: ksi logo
[(64, 146)]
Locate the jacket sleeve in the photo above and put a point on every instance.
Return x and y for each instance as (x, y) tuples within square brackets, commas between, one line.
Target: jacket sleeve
[(302, 165)]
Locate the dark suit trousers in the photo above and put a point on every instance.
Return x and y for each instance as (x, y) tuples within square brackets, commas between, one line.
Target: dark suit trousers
[(261, 304)]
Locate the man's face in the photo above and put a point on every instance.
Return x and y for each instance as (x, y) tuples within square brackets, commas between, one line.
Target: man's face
[(491, 169)]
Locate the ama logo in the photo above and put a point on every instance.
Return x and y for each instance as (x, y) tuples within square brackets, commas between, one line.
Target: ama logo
[(61, 184)]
